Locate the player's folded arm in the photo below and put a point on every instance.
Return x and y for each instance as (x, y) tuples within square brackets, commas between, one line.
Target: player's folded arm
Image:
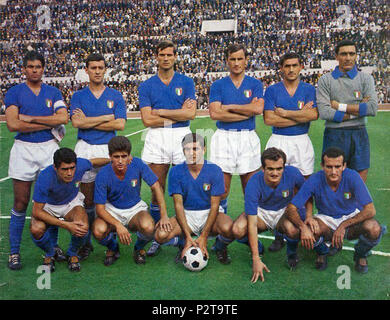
[(272, 119), (16, 125)]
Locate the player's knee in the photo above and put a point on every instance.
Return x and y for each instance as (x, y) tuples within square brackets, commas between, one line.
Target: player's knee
[(161, 236), (289, 230), (147, 227), (37, 230), (99, 230), (20, 205), (372, 229), (239, 230)]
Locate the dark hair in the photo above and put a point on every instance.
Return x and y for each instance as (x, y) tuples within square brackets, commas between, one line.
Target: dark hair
[(193, 138), (33, 55), (290, 55), (234, 47), (94, 57), (344, 43), (165, 44), (119, 143), (332, 152), (273, 154), (64, 155)]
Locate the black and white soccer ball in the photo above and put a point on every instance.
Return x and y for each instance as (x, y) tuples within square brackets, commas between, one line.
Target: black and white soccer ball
[(194, 259)]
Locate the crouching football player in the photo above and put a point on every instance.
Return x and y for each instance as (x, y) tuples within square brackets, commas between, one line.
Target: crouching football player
[(119, 206), (196, 187), (58, 202)]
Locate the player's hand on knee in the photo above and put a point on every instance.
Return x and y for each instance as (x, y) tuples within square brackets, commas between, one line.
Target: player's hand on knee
[(338, 237), (164, 224), (77, 228), (307, 238), (123, 234), (313, 225)]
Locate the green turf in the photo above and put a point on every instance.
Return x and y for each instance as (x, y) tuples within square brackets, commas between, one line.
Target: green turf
[(160, 278)]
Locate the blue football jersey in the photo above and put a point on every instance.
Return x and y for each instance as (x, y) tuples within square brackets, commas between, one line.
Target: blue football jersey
[(50, 189), (46, 103), (157, 95), (197, 192), (276, 96), (122, 194), (259, 194), (110, 102), (225, 92), (351, 194)]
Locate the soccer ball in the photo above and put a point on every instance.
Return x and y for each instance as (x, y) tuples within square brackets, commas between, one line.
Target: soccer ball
[(194, 260)]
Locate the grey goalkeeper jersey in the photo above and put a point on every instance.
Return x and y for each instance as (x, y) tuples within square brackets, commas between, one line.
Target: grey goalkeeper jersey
[(349, 88)]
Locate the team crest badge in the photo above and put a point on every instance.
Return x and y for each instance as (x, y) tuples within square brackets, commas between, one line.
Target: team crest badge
[(179, 91), (347, 195), (301, 104), (134, 183), (248, 93), (206, 186), (110, 104), (49, 103), (357, 94), (285, 193)]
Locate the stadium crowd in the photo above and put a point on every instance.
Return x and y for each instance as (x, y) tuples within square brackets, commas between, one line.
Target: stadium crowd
[(126, 31)]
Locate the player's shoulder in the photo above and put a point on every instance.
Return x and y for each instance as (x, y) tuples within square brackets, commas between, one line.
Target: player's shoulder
[(274, 87), (49, 87), (113, 92), (351, 174), (16, 88), (253, 80), (307, 86), (80, 92), (83, 161), (137, 162), (291, 170), (178, 169), (183, 77), (220, 82), (212, 167), (148, 81), (47, 173)]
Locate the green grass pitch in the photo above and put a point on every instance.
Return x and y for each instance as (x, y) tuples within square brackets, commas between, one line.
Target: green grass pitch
[(161, 278)]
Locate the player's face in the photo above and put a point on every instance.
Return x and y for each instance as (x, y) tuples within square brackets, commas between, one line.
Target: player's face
[(333, 168), (166, 59), (96, 71), (33, 71), (120, 160), (66, 171), (291, 69), (194, 153), (237, 62), (347, 58), (273, 171)]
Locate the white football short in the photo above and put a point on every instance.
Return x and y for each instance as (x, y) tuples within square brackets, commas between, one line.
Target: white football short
[(61, 211), (196, 219), (298, 149), (270, 217), (125, 215), (334, 223), (28, 159), (236, 151), (163, 145), (90, 151)]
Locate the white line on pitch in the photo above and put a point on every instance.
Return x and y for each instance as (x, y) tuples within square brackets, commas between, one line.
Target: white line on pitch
[(383, 189), (131, 134), (4, 179)]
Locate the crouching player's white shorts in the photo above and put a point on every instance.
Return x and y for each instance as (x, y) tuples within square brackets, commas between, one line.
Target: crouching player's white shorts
[(196, 219), (125, 215), (334, 223), (163, 145), (90, 151), (236, 151), (28, 159), (298, 149), (270, 217), (60, 211)]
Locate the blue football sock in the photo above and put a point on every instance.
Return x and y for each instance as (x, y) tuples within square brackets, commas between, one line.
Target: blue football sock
[(364, 245), (172, 242), (277, 234), (155, 212), (224, 204), (53, 232), (75, 244), (292, 245), (142, 240), (45, 244), (91, 213), (260, 246), (110, 242), (320, 247), (16, 226), (221, 242)]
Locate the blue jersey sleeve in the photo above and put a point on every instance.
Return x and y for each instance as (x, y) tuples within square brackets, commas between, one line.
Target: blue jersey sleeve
[(305, 192), (74, 103), (362, 195), (147, 174), (120, 108), (41, 189), (311, 96), (215, 93), (252, 195), (218, 188), (269, 100), (258, 92), (58, 101), (144, 95), (11, 97), (84, 165), (190, 92), (101, 187), (174, 183)]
